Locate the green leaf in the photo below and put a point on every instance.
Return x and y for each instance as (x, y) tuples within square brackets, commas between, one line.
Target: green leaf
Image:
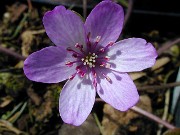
[(123, 2)]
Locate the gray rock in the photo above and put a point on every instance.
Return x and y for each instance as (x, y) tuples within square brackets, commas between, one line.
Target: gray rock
[(89, 127)]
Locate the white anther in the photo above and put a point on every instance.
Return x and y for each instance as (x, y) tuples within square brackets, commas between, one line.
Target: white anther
[(90, 64)]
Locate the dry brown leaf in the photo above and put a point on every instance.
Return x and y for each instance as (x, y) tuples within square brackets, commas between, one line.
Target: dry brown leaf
[(16, 10), (27, 39), (34, 97), (159, 63), (113, 118), (136, 75), (46, 107), (175, 131)]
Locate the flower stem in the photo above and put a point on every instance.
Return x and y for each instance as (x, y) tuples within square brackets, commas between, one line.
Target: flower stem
[(152, 117), (148, 115)]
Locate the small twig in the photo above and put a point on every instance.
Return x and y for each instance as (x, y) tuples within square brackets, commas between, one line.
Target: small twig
[(156, 13), (167, 45), (11, 53), (152, 117), (163, 86), (84, 8), (129, 11)]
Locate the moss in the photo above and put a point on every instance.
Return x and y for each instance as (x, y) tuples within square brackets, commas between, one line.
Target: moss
[(12, 83)]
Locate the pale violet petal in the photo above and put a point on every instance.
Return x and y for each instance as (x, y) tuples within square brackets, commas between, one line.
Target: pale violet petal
[(76, 100), (120, 91), (106, 21), (64, 27), (133, 54), (48, 65)]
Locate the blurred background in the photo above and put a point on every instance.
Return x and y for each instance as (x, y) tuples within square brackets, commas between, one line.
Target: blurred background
[(28, 107)]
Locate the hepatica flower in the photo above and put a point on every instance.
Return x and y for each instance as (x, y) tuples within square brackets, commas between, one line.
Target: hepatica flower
[(86, 54)]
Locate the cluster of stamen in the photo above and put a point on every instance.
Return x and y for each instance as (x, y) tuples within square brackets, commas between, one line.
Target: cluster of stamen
[(89, 60)]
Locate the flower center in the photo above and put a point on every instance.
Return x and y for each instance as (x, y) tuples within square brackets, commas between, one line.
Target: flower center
[(90, 60), (87, 60)]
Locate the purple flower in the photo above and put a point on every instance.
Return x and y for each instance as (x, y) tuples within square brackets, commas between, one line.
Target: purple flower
[(87, 54)]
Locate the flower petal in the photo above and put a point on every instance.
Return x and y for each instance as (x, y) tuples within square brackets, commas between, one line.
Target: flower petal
[(106, 21), (120, 92), (133, 54), (76, 101), (64, 27), (48, 65)]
